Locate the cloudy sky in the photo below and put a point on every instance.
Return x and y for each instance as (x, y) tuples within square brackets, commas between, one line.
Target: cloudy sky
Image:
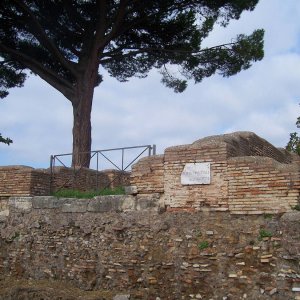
[(264, 99)]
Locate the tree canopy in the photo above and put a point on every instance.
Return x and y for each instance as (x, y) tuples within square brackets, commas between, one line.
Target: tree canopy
[(294, 142), (68, 43)]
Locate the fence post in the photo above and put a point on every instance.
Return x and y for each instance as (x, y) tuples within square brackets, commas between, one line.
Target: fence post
[(51, 172), (97, 171), (154, 150), (123, 159)]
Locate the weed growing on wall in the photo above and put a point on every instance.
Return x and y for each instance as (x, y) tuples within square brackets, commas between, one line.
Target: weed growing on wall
[(264, 234), (296, 207), (203, 245), (268, 216)]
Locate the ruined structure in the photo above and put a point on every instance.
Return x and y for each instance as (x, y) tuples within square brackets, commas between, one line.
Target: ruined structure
[(215, 219), (239, 172), (246, 175), (27, 181)]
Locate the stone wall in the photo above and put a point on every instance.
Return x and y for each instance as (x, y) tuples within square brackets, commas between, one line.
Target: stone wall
[(127, 253), (98, 204), (248, 175)]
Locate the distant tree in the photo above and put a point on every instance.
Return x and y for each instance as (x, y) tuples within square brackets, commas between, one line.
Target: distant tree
[(294, 142), (68, 43), (5, 140)]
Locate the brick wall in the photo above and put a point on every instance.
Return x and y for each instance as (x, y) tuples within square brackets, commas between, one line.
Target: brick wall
[(212, 195), (23, 181), (86, 179), (262, 185), (26, 181), (248, 176), (246, 144), (148, 175)]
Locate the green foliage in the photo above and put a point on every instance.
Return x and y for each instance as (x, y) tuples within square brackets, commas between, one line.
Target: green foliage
[(5, 140), (264, 233), (56, 39), (296, 207), (11, 76), (268, 216), (294, 142), (203, 245), (89, 194)]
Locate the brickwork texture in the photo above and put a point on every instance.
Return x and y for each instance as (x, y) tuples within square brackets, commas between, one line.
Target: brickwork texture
[(26, 181), (248, 176)]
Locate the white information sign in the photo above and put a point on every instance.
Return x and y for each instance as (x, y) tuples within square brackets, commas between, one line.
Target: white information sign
[(196, 173)]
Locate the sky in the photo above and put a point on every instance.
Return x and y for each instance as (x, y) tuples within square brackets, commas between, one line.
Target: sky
[(263, 99)]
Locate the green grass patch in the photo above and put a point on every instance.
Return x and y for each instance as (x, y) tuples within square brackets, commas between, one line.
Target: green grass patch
[(264, 233), (203, 245), (268, 216), (296, 207), (64, 193)]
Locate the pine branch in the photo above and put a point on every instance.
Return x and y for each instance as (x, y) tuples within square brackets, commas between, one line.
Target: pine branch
[(134, 51), (44, 38), (48, 75)]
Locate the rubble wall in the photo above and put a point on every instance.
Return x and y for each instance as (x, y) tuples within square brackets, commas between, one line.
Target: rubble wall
[(142, 253)]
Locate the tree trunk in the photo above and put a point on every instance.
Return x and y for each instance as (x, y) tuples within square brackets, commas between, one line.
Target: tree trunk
[(82, 138)]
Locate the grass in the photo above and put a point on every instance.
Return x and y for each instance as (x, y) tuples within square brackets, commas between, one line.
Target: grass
[(264, 233), (296, 207), (203, 245), (268, 216), (88, 194)]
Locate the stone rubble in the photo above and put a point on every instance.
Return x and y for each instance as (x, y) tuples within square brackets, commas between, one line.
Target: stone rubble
[(148, 255)]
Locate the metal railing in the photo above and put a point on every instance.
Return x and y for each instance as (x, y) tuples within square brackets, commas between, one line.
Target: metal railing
[(122, 166)]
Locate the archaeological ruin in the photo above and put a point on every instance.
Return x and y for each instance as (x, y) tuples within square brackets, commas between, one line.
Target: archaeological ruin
[(215, 219)]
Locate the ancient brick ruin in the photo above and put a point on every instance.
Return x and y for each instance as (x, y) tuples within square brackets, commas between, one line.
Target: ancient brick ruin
[(248, 175), (27, 181), (210, 220)]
